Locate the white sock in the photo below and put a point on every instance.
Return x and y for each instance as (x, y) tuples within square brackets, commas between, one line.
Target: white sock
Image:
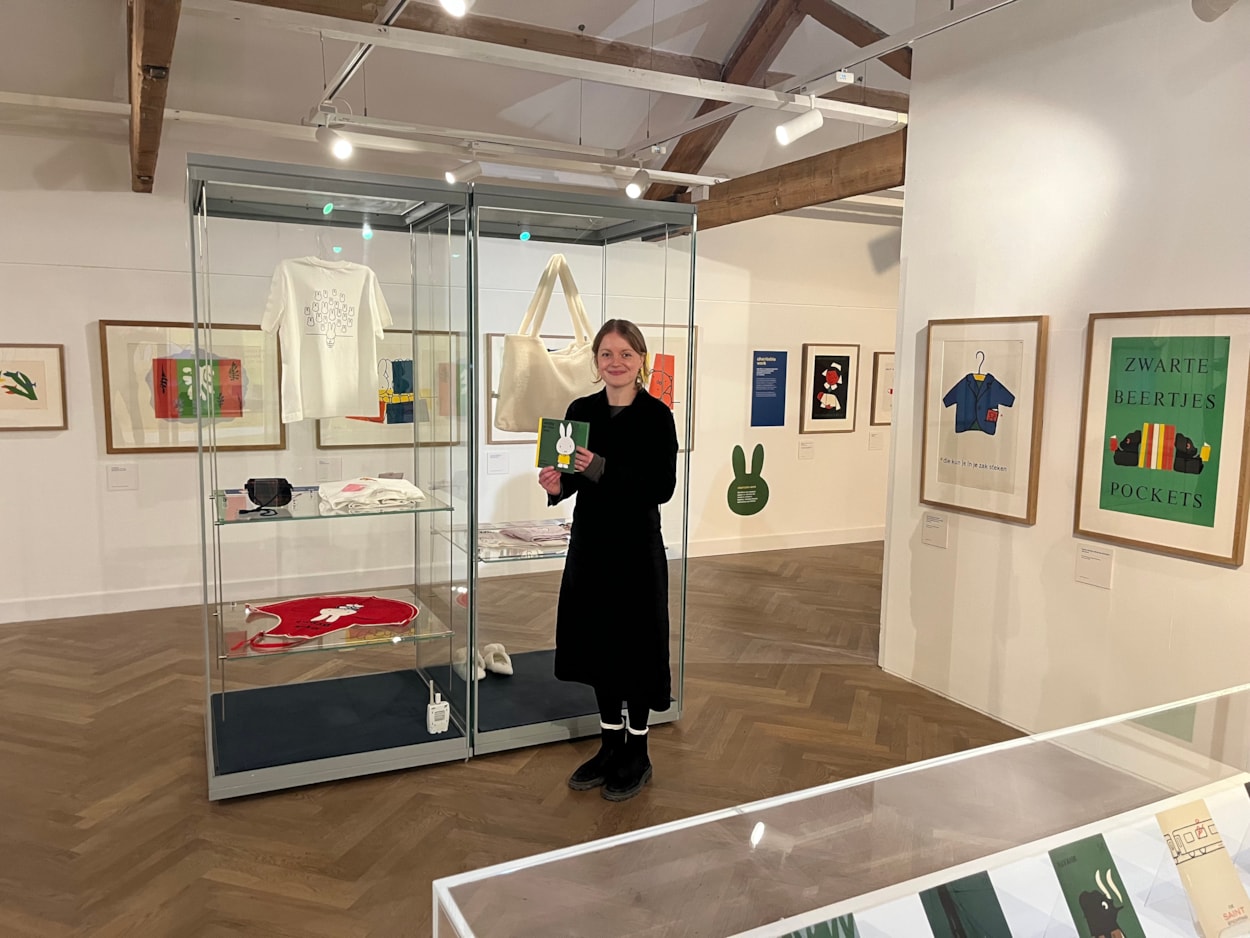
[(607, 726), (641, 732)]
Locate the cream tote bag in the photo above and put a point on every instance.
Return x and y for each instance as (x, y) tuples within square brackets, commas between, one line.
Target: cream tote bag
[(534, 382)]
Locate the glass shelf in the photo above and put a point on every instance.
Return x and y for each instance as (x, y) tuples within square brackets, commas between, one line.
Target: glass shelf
[(305, 505), (496, 546), (237, 629)]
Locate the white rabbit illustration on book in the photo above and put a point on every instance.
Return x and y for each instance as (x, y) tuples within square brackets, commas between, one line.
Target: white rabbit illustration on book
[(565, 446)]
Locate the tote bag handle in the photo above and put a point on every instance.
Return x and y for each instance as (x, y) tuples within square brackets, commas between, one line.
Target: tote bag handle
[(537, 310)]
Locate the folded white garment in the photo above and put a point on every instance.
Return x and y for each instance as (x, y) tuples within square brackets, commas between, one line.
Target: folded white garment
[(369, 494), (537, 533)]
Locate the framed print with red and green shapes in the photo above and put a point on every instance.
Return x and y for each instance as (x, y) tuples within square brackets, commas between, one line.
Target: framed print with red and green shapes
[(1162, 464)]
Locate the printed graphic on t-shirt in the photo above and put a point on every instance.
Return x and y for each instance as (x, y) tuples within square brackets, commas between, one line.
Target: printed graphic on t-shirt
[(330, 314)]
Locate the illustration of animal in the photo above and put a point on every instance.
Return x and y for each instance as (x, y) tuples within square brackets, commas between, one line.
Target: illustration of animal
[(565, 446)]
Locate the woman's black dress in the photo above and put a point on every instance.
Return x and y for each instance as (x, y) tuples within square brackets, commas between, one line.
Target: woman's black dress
[(612, 627)]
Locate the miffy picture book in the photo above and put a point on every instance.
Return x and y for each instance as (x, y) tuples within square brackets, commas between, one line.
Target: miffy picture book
[(558, 441)]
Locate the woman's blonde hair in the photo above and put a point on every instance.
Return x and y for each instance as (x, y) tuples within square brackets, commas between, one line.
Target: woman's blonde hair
[(631, 334)]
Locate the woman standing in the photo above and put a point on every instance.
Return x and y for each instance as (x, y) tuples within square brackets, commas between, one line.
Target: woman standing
[(612, 629)]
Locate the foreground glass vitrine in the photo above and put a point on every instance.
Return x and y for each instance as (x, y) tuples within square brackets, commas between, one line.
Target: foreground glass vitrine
[(1136, 825)]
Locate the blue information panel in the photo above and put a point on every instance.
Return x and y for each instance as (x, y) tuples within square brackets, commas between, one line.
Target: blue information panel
[(768, 389)]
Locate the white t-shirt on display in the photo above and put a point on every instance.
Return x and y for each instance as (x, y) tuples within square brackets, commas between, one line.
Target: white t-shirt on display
[(329, 316)]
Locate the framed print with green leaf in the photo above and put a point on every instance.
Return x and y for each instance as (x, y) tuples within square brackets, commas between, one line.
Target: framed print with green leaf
[(419, 396), (32, 387), (1162, 460), (154, 387), (984, 391)]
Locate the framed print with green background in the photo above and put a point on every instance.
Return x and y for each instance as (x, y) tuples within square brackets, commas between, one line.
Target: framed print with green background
[(882, 414), (983, 398), (153, 385), (830, 388), (1162, 462), (419, 395), (32, 387)]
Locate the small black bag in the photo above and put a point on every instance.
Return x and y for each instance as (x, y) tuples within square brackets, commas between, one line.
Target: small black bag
[(269, 493)]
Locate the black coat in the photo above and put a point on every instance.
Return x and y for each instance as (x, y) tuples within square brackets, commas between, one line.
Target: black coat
[(612, 627)]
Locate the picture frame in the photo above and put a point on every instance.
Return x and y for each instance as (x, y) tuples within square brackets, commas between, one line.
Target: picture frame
[(661, 339), (982, 428), (150, 377), (672, 339), (882, 412), (830, 392), (422, 403), (1162, 461), (32, 387)]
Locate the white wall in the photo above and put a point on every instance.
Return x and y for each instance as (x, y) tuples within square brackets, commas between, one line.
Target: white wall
[(1066, 158), (76, 247)]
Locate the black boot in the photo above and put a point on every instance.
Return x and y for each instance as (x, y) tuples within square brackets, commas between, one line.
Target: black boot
[(594, 771), (631, 771)]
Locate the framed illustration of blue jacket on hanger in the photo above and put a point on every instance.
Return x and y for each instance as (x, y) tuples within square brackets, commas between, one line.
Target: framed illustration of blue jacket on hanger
[(983, 395)]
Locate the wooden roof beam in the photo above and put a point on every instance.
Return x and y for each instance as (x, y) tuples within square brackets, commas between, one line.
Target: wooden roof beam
[(764, 38), (856, 29), (153, 24), (870, 166)]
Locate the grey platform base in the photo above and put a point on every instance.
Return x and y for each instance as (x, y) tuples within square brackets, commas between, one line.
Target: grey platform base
[(272, 738)]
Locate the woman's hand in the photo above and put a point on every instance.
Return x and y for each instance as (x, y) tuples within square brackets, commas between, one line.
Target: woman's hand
[(582, 458), (549, 479)]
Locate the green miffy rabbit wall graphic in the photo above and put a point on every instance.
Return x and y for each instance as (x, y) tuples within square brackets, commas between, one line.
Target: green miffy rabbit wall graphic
[(748, 492)]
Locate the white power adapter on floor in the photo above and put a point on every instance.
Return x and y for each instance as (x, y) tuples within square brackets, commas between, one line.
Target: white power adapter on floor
[(437, 713)]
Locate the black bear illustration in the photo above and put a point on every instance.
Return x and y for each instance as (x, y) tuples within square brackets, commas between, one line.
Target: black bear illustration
[(1187, 456), (1128, 449), (1100, 915)]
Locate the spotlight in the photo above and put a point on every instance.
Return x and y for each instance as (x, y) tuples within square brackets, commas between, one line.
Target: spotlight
[(339, 145), (524, 236), (636, 186), (366, 232), (327, 208), (801, 126), (456, 8), (463, 173), (337, 249)]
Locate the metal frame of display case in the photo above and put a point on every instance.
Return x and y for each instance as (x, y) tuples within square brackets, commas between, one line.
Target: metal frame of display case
[(278, 193), (275, 193), (571, 218)]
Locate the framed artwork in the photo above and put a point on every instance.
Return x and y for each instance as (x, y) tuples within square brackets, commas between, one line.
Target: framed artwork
[(153, 385), (32, 387), (882, 414), (1162, 460), (830, 388), (984, 392), (669, 361), (668, 381), (419, 396)]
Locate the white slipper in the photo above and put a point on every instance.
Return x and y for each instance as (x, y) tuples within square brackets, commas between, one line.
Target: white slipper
[(460, 661), (496, 659)]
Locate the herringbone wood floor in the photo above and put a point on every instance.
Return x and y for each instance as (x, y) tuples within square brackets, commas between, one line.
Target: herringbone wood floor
[(105, 829)]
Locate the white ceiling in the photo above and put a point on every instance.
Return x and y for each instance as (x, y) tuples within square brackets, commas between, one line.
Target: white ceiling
[(224, 67)]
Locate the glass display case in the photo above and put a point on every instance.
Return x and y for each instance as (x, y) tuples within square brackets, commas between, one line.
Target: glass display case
[(334, 604), (628, 260), (425, 564), (1131, 826)]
